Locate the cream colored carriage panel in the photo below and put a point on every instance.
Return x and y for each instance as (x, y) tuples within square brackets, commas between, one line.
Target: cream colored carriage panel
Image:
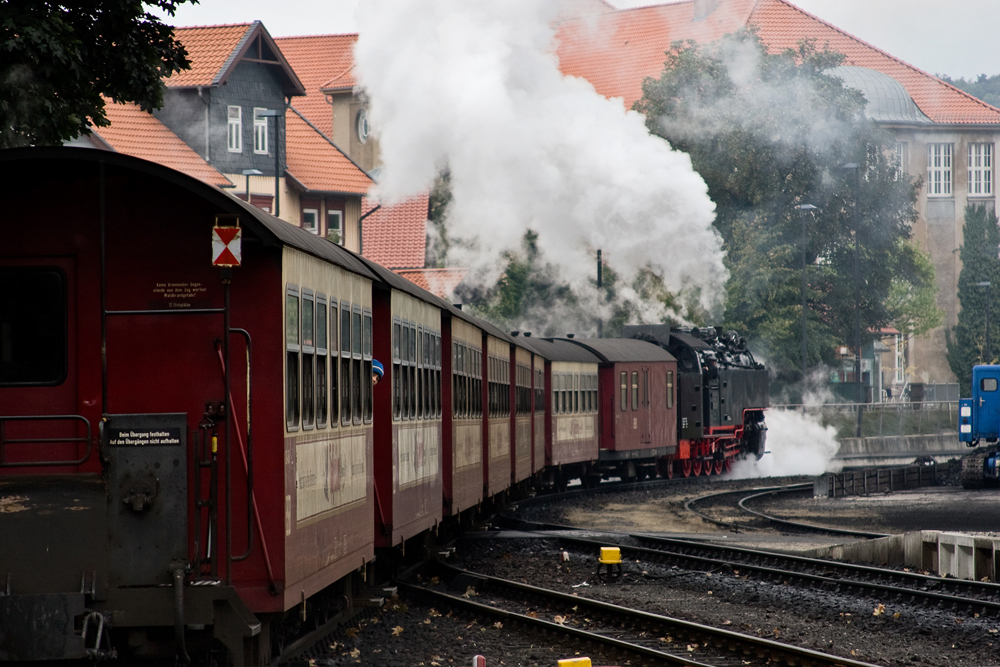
[(497, 347), (308, 272), (470, 335), (522, 356), (413, 310)]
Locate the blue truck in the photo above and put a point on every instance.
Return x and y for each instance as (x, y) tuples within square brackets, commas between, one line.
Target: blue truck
[(979, 423)]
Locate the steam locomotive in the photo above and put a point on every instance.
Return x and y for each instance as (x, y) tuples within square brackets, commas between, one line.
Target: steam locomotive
[(193, 460)]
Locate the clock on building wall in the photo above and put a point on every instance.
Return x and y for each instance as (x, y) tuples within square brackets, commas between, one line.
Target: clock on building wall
[(363, 126)]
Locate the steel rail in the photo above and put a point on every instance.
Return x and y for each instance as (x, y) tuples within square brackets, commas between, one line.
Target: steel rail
[(897, 592), (724, 643), (799, 524)]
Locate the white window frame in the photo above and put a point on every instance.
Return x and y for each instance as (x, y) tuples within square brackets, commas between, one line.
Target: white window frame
[(939, 170), (339, 215), (259, 131), (981, 169), (902, 158), (234, 129), (315, 216)]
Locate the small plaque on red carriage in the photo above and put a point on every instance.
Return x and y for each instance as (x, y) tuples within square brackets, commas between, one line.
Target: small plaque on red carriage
[(227, 246)]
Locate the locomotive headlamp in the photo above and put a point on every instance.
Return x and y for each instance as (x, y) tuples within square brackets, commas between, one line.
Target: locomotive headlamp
[(966, 411)]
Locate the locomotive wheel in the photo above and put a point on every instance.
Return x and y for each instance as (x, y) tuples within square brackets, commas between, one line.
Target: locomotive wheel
[(696, 468), (686, 467), (707, 468), (666, 468), (728, 464), (718, 466)]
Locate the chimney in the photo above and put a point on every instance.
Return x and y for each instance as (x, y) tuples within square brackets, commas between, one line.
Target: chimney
[(515, 334), (527, 334), (702, 8)]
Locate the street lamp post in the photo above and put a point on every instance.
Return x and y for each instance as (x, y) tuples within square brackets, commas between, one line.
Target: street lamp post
[(987, 355), (275, 114), (857, 289), (248, 173), (803, 208)]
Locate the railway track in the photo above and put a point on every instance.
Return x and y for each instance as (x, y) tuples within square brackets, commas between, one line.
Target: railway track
[(974, 597), (632, 634), (767, 519)]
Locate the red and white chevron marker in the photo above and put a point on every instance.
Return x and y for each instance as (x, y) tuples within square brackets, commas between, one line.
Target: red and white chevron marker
[(479, 661), (227, 246)]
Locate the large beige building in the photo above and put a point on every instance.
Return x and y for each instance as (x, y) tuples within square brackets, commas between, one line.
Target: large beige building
[(944, 136)]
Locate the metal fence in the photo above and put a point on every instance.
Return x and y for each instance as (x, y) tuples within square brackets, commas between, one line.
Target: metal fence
[(881, 419)]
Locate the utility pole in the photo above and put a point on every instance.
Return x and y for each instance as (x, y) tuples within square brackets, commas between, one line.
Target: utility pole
[(857, 290), (600, 286)]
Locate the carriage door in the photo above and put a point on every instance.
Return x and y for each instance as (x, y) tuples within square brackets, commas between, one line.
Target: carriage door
[(38, 375), (645, 408), (986, 400)]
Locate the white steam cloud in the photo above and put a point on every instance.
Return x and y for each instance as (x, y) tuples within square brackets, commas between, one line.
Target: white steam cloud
[(475, 87), (797, 444)]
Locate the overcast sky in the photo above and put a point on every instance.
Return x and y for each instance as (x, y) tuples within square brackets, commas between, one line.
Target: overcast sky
[(956, 38)]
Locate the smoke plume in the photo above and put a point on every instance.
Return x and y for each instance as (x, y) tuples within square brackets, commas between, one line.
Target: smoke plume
[(475, 87)]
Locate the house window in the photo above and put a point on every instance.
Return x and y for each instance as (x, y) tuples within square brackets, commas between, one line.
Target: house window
[(310, 218), (939, 170), (235, 134), (980, 169), (901, 158), (259, 131), (334, 226)]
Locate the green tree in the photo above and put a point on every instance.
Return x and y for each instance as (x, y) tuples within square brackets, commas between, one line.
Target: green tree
[(769, 132), (530, 295), (58, 60), (967, 344), (986, 88)]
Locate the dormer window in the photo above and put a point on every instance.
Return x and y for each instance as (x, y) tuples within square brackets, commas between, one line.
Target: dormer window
[(259, 131), (235, 130)]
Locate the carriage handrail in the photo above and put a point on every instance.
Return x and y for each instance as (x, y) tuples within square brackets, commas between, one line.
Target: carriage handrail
[(4, 441)]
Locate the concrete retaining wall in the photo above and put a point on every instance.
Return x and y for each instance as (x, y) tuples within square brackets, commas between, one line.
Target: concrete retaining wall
[(888, 449), (957, 555)]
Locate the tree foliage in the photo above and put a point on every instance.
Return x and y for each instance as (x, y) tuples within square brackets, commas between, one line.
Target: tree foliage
[(980, 263), (58, 60), (986, 88), (771, 132), (531, 296)]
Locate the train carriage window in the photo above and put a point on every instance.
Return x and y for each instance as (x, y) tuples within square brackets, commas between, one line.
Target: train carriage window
[(308, 358), (988, 384), (439, 371), (357, 376), (366, 366), (596, 385), (292, 347), (414, 360), (645, 386), (321, 361), (624, 391), (576, 393), (33, 326), (345, 363), (397, 367), (334, 351), (670, 389), (635, 390), (539, 390), (418, 366), (404, 396)]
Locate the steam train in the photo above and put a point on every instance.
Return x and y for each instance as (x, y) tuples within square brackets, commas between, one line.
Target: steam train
[(193, 460)]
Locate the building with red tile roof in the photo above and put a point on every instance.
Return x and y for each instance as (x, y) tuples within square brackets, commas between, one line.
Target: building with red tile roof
[(441, 282), (395, 236), (137, 133), (944, 136)]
